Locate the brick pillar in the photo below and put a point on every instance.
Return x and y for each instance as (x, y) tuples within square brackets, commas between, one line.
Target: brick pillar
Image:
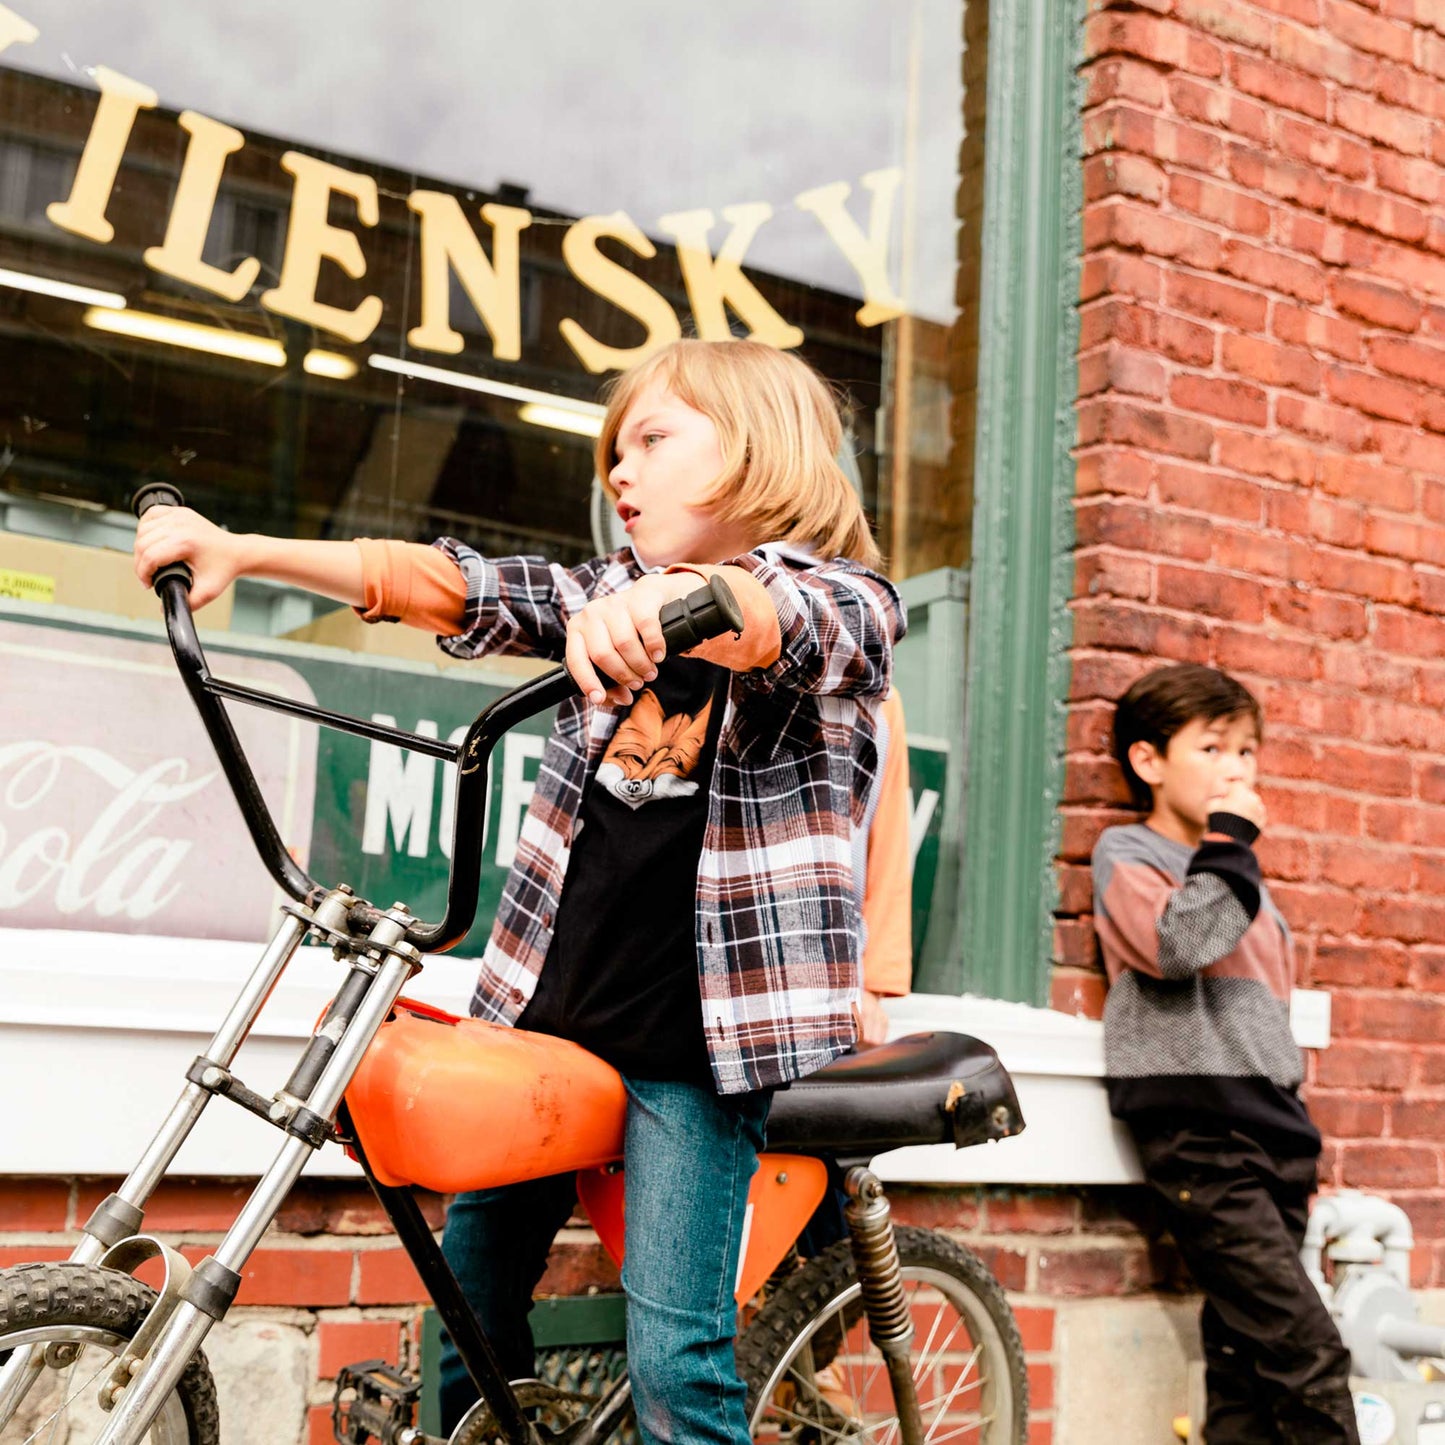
[(1261, 486)]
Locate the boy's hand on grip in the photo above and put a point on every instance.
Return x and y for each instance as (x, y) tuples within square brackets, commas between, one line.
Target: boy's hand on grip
[(622, 637), (177, 534), (1241, 800)]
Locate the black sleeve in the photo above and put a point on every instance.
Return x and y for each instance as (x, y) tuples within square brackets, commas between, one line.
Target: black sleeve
[(1226, 853)]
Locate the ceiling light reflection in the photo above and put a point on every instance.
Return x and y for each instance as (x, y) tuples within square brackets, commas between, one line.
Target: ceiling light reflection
[(145, 326), (330, 363), (559, 420), (241, 345), (47, 286), (503, 389)]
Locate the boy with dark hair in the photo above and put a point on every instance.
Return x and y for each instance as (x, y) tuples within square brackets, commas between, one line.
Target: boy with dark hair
[(1201, 1065)]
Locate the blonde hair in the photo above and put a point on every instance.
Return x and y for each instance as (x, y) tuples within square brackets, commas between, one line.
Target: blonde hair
[(779, 432)]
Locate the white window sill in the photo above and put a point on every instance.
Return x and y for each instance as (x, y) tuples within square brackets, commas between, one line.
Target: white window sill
[(105, 1025)]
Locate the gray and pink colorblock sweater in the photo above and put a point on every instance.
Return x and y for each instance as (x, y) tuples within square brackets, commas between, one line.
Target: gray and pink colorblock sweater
[(1200, 965)]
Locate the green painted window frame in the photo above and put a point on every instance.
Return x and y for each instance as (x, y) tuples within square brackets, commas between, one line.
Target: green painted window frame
[(1020, 627)]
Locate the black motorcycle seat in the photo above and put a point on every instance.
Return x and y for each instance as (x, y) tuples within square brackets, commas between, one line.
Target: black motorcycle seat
[(934, 1088)]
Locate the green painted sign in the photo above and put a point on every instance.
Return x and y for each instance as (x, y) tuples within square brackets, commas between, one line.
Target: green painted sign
[(383, 818), (114, 815), (927, 774)]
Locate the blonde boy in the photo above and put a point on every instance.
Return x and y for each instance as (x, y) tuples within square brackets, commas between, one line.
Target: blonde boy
[(683, 900)]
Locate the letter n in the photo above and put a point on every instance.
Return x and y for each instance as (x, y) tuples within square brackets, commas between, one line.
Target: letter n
[(449, 244)]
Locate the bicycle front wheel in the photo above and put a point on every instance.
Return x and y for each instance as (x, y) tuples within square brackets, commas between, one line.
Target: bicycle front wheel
[(814, 1377), (61, 1328)]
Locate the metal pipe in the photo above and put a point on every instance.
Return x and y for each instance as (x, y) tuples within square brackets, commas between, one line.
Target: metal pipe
[(191, 661), (1411, 1338), (1355, 1228), (472, 1344)]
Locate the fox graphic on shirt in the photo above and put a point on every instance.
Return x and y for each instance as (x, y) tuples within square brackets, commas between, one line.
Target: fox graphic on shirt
[(652, 756)]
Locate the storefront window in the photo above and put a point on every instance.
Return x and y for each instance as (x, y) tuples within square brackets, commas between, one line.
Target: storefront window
[(351, 268), (358, 269)]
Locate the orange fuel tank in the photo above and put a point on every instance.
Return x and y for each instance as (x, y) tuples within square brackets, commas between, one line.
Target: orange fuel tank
[(453, 1104)]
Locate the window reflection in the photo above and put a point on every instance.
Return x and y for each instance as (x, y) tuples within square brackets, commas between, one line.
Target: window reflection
[(490, 198)]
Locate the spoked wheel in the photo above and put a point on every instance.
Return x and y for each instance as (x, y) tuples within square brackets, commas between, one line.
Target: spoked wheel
[(61, 1328), (814, 1377)]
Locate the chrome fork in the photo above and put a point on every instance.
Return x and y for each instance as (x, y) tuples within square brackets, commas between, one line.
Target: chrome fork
[(120, 1215), (213, 1285)]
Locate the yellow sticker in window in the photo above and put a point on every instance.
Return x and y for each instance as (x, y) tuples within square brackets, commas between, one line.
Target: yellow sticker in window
[(26, 586)]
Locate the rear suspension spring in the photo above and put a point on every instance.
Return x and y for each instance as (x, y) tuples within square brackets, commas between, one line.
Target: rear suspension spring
[(875, 1252)]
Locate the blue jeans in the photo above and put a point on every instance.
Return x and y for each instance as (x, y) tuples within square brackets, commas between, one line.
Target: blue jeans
[(690, 1155)]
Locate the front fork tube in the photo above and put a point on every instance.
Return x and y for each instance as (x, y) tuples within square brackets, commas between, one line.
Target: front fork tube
[(121, 1213), (214, 1283), (890, 1322)]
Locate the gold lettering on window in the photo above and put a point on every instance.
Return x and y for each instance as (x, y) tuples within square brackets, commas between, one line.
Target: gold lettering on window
[(449, 244), (615, 283), (211, 142), (311, 239), (867, 255), (715, 283), (121, 100)]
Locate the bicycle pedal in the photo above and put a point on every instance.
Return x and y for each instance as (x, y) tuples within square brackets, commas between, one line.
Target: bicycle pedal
[(375, 1402)]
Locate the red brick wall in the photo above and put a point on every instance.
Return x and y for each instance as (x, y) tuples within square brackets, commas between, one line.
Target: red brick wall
[(331, 1263), (1261, 486), (331, 1256)]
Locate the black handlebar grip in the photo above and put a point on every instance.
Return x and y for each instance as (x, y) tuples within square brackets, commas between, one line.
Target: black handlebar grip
[(155, 494), (708, 612), (162, 494)]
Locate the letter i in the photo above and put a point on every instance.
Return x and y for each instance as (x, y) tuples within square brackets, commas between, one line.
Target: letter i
[(120, 100)]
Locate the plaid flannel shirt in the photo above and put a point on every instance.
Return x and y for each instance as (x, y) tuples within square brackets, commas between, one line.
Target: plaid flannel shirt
[(778, 921)]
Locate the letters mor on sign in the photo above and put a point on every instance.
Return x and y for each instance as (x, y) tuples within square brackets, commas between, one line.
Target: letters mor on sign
[(401, 788)]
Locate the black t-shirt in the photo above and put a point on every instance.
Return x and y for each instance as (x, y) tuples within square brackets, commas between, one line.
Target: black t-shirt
[(621, 975)]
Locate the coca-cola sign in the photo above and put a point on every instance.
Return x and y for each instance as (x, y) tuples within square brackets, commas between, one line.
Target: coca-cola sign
[(114, 814)]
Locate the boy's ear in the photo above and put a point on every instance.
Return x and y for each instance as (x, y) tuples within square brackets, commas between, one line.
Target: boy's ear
[(1145, 760)]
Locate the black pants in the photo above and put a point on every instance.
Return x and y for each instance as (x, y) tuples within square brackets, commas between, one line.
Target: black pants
[(1275, 1367)]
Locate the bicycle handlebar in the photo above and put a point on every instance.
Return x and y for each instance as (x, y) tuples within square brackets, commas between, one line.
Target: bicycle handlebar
[(708, 612)]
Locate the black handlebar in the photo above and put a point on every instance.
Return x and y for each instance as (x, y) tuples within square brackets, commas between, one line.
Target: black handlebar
[(708, 612), (161, 494)]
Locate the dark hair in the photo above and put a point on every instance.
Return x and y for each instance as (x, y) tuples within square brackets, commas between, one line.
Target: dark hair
[(1162, 702)]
